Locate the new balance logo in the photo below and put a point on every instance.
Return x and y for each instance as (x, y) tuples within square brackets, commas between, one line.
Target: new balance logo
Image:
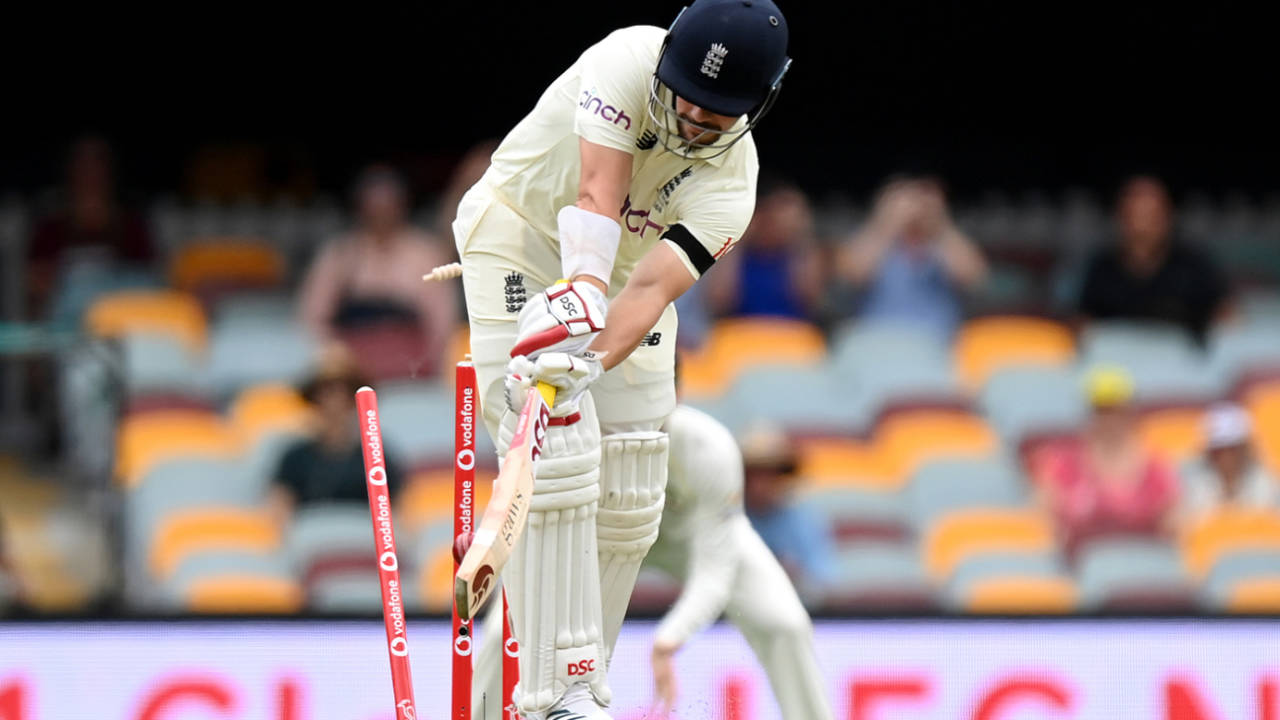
[(714, 61), (514, 292), (647, 140), (652, 339)]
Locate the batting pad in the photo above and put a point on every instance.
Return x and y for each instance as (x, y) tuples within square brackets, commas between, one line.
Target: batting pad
[(633, 479), (553, 581)]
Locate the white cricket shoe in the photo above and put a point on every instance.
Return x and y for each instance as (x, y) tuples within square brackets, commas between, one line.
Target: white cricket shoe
[(577, 703)]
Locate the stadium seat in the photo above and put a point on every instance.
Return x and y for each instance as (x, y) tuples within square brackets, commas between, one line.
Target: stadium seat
[(185, 532), (942, 486), (855, 514), (267, 350), (163, 312), (986, 345), (739, 344), (268, 418), (329, 538), (1238, 348), (79, 286), (888, 363), (1021, 595), (912, 438), (844, 462), (1264, 405), (1023, 401), (879, 575), (351, 592), (1163, 360), (435, 581), (418, 423), (147, 439), (1236, 567), (983, 567), (799, 399), (212, 564), (244, 594), (1132, 574), (251, 308), (161, 363), (211, 267), (964, 534), (429, 498), (1226, 531), (1255, 596), (1175, 433)]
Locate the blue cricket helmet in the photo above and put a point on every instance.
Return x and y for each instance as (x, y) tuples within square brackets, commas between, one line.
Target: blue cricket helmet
[(725, 56)]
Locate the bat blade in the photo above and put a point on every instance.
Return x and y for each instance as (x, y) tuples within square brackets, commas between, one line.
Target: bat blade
[(504, 518)]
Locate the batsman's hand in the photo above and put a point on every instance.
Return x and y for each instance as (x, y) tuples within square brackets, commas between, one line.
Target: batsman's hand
[(664, 679), (564, 318), (570, 374)]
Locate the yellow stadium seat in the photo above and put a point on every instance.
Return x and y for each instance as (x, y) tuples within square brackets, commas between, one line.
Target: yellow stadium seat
[(239, 262), (436, 581), (245, 594), (1264, 405), (911, 438), (269, 408), (185, 532), (842, 462), (959, 535), (429, 497), (742, 343), (1228, 530), (1255, 595), (145, 439), (988, 344), (1011, 595), (149, 311), (1175, 433)]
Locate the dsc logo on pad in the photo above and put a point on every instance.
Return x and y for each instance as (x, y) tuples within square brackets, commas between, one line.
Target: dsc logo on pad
[(582, 667)]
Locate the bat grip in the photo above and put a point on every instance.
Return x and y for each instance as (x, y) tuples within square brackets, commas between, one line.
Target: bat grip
[(548, 393)]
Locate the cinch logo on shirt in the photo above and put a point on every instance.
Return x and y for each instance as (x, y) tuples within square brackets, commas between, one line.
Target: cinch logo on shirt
[(637, 221), (594, 105)]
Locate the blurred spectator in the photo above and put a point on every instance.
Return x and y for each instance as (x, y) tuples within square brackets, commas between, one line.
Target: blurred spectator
[(910, 260), (801, 539), (1149, 274), (328, 466), (87, 225), (1104, 482), (1228, 474), (776, 269), (372, 278)]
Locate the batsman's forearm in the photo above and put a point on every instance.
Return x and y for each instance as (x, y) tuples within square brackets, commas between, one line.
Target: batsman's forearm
[(632, 314)]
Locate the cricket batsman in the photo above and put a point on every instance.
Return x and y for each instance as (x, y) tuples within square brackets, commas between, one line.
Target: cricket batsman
[(632, 174), (706, 542)]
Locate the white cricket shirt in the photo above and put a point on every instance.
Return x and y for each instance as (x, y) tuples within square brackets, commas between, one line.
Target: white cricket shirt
[(699, 206)]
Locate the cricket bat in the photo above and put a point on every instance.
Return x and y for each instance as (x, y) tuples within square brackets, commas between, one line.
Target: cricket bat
[(504, 518)]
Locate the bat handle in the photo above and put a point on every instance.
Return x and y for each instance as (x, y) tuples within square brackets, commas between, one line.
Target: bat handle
[(548, 393)]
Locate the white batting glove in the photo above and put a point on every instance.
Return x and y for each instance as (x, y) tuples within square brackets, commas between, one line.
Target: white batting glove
[(564, 318), (570, 374)]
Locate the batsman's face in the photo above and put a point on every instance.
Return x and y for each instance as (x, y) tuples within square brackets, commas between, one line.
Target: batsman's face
[(699, 126)]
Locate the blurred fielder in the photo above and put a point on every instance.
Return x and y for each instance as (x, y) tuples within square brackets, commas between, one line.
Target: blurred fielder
[(632, 174), (707, 543)]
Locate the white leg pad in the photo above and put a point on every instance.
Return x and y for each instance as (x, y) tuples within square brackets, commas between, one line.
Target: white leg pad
[(633, 478), (552, 578)]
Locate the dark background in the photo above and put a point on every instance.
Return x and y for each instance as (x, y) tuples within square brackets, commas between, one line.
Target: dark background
[(993, 95)]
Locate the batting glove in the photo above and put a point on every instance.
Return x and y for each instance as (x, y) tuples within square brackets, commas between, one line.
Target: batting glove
[(570, 374), (564, 318)]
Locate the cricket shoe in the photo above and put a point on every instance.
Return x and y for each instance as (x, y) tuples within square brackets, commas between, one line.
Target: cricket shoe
[(577, 703)]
